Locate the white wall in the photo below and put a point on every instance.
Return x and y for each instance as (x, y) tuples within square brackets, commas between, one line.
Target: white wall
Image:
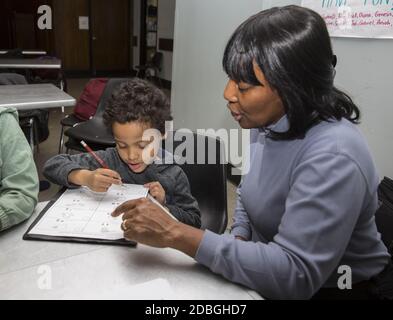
[(202, 29), (165, 29)]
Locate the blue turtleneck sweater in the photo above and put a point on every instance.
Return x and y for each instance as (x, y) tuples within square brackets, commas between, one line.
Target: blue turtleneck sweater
[(307, 207)]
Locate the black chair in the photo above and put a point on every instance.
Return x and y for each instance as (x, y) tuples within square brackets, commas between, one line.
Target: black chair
[(384, 214), (70, 120), (93, 131), (208, 179), (12, 53), (150, 71), (55, 76)]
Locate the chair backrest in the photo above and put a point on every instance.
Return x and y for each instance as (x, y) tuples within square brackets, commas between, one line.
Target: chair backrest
[(12, 54), (206, 174), (47, 73), (12, 78), (93, 131), (87, 104), (384, 215), (157, 60)]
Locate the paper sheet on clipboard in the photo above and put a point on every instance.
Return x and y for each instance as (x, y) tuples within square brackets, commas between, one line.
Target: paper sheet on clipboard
[(82, 213)]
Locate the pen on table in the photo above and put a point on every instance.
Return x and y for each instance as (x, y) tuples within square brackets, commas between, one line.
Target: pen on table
[(95, 156)]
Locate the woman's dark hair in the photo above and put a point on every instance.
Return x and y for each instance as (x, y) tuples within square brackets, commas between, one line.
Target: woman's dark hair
[(291, 46), (138, 100)]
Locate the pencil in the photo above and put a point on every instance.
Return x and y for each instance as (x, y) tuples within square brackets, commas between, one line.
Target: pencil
[(99, 160)]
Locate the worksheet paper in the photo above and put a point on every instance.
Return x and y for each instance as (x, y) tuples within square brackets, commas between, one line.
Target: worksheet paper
[(83, 213)]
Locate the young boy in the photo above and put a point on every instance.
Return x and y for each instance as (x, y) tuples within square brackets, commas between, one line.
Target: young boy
[(137, 106)]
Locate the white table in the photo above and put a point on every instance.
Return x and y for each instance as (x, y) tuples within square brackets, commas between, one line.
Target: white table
[(28, 52), (88, 271), (30, 63), (34, 96)]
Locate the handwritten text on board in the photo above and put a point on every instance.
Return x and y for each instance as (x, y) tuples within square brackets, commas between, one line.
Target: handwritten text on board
[(355, 18)]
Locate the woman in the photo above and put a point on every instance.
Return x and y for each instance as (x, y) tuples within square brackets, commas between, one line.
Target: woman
[(307, 205), (18, 174)]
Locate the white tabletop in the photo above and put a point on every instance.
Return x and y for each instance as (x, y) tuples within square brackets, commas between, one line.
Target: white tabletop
[(88, 271), (34, 96), (30, 63), (27, 52)]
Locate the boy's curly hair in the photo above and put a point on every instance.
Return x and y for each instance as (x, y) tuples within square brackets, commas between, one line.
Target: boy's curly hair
[(138, 100)]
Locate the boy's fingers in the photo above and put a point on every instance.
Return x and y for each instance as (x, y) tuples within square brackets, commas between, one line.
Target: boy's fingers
[(110, 173), (108, 180), (104, 185), (116, 181)]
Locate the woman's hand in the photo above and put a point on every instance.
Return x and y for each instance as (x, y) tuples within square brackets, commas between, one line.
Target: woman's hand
[(157, 191), (145, 222), (98, 180)]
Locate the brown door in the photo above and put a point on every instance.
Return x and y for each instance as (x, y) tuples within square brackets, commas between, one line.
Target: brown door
[(24, 30), (72, 43), (110, 35)]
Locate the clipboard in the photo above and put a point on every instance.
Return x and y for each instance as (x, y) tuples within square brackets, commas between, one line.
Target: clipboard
[(39, 237)]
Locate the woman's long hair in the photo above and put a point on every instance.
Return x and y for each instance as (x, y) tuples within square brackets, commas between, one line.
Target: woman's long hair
[(291, 46)]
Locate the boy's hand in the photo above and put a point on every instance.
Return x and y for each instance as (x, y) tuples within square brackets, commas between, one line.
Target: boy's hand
[(157, 191), (98, 180), (101, 179)]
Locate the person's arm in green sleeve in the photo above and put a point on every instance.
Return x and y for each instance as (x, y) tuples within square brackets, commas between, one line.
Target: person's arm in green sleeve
[(19, 184)]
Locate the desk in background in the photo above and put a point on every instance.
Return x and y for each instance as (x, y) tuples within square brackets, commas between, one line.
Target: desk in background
[(34, 96), (27, 52), (86, 271), (30, 64)]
